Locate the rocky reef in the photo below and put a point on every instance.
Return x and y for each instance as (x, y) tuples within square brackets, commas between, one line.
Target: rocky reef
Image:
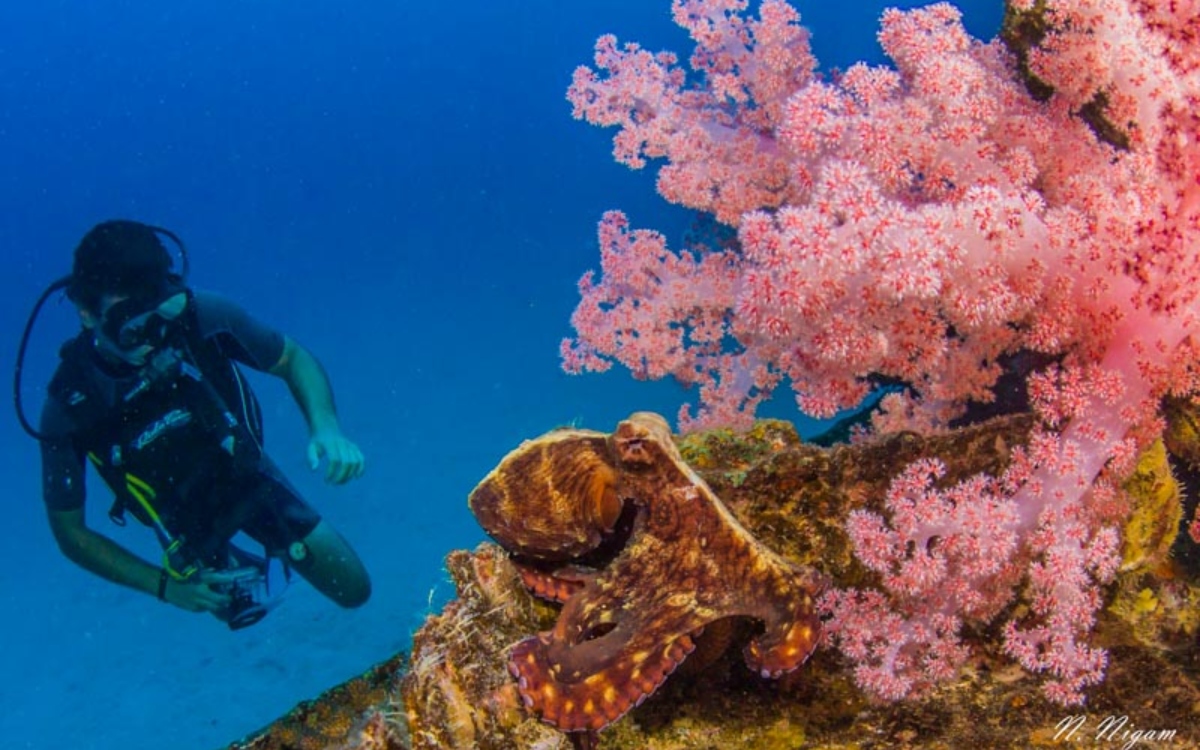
[(458, 688)]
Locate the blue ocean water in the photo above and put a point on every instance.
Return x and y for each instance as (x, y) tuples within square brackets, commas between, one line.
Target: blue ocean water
[(400, 187)]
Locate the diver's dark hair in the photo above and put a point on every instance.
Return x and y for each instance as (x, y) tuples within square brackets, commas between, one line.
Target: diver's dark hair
[(118, 257)]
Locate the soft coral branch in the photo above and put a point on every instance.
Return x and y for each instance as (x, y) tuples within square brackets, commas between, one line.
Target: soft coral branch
[(926, 222)]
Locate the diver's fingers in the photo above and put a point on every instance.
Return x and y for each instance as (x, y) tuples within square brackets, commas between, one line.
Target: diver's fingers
[(351, 463), (336, 460), (196, 596), (354, 464), (212, 601), (343, 462), (360, 463)]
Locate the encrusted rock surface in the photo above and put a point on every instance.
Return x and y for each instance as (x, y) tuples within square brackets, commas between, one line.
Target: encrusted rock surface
[(456, 691)]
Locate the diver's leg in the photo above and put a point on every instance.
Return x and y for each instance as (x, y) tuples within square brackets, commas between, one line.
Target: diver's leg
[(332, 567), (290, 528)]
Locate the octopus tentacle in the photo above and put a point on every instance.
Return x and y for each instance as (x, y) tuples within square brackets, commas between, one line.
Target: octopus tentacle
[(557, 586), (600, 698)]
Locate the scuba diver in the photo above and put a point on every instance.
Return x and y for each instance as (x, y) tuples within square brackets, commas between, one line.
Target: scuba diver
[(151, 394)]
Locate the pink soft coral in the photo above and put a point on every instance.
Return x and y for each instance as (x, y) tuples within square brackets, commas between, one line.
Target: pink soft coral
[(921, 223), (915, 223)]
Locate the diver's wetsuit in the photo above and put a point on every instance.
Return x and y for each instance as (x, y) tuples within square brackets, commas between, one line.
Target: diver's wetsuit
[(196, 490)]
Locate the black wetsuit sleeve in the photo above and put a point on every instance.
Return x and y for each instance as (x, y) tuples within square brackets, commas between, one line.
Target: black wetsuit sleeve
[(240, 335), (63, 467)]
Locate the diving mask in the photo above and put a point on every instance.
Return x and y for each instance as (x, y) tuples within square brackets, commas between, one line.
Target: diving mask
[(129, 326)]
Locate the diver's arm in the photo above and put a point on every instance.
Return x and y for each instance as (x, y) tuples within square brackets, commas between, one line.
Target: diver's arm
[(309, 384), (266, 349), (99, 554), (313, 393), (64, 495)]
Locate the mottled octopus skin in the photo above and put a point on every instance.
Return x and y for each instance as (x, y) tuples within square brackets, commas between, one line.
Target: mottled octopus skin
[(551, 498), (688, 563)]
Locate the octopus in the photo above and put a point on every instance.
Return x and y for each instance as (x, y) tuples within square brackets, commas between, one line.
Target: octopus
[(643, 557)]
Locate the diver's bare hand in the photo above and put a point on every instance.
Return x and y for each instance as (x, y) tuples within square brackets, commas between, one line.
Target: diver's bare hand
[(196, 595), (345, 460)]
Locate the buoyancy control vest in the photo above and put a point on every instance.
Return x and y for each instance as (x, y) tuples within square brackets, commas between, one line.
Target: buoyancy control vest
[(162, 435)]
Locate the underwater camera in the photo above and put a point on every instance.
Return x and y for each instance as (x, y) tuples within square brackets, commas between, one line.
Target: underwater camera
[(251, 588)]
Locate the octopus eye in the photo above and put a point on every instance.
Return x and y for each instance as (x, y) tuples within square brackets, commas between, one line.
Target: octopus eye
[(598, 631)]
